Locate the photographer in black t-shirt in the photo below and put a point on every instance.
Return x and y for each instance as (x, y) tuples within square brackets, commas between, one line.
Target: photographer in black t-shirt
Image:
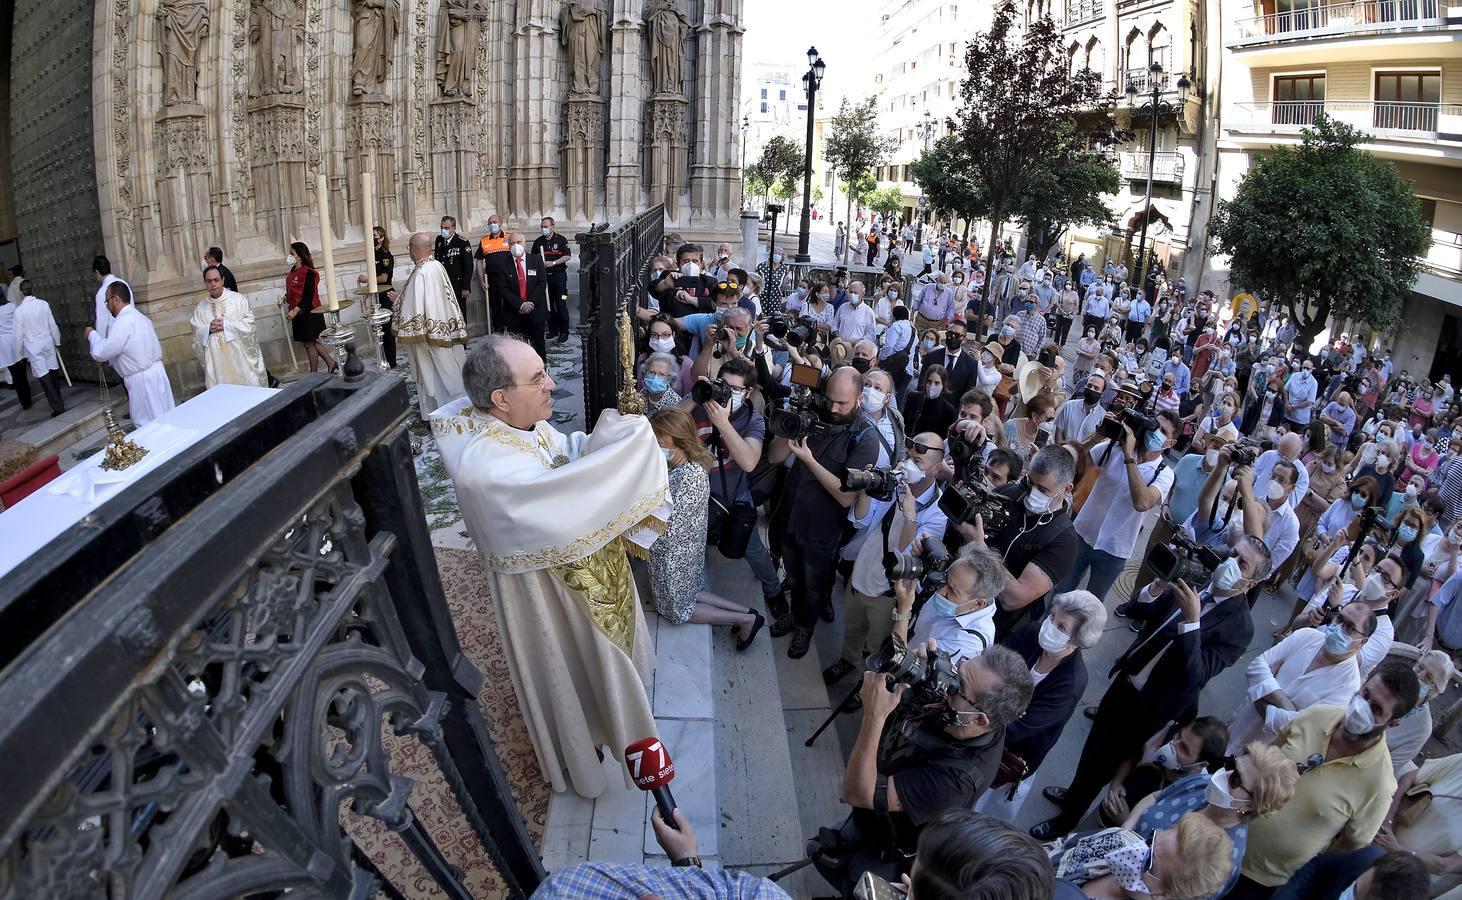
[(816, 506), (908, 766), (1038, 542)]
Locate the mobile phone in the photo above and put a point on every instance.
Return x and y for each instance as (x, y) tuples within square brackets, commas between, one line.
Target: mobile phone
[(871, 887)]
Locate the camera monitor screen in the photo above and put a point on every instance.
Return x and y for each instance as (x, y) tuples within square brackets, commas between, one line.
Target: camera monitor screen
[(806, 376)]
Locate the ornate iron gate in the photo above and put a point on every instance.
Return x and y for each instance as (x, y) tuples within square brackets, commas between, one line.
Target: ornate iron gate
[(612, 269), (200, 674)]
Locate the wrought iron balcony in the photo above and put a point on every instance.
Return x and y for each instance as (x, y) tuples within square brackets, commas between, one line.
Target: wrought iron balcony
[(1361, 17), (1167, 166), (1385, 118), (1078, 11)]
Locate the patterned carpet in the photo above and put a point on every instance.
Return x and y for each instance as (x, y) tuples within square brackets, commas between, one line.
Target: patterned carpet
[(465, 583)]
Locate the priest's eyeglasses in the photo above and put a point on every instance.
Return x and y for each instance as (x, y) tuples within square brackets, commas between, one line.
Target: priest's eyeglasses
[(536, 382)]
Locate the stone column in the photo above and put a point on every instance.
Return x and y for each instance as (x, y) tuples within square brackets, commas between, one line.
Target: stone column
[(369, 148), (537, 103), (277, 161), (623, 190), (180, 141), (715, 173), (667, 142)]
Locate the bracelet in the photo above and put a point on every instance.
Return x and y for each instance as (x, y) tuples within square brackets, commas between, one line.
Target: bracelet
[(902, 616), (687, 862)]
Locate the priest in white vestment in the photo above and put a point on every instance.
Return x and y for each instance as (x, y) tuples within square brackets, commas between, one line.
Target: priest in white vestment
[(132, 349), (224, 338), (428, 323), (553, 517), (102, 268), (12, 290), (36, 339)]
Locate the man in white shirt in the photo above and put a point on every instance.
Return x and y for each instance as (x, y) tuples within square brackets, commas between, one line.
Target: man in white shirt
[(36, 339), (1299, 396), (131, 347), (1289, 449), (1270, 517), (855, 320), (960, 616), (1133, 480), (889, 525), (1080, 416), (12, 291), (102, 268)]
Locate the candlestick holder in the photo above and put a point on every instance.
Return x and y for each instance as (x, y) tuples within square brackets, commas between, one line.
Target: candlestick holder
[(336, 334), (378, 317)]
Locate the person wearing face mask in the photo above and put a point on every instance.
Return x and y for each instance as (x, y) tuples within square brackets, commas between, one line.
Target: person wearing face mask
[(1067, 305), (957, 616), (659, 372), (1423, 457), (1339, 416), (1327, 484), (1384, 467), (1187, 638), (1087, 348), (528, 312), (1299, 396), (552, 249), (990, 377), (897, 353), (1012, 356), (1191, 859), (885, 302), (1032, 330), (1218, 429), (1173, 753), (301, 299), (1270, 517), (931, 405), (1346, 784), (455, 254), (1434, 671), (1029, 433), (1053, 648), (1255, 783), (1311, 666), (934, 307), (869, 610), (855, 320), (962, 368), (1096, 306), (493, 262)]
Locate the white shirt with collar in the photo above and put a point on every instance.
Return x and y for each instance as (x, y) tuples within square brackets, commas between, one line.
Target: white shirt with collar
[(1108, 521), (868, 576), (962, 637), (855, 322)]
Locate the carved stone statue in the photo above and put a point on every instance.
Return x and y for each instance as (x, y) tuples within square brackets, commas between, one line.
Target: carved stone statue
[(669, 29), (375, 26), (581, 30), (457, 35), (182, 27), (277, 31)]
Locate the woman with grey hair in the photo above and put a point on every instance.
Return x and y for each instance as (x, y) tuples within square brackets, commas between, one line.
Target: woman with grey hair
[(659, 372), (1052, 648)]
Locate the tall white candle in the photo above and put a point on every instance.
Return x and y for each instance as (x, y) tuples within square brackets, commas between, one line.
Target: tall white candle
[(368, 217), (322, 193)]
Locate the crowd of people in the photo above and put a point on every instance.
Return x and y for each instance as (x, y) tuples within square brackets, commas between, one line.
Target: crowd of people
[(977, 468)]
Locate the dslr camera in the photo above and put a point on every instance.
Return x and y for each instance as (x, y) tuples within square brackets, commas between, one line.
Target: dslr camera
[(932, 681), (931, 567), (1245, 452), (1183, 560), (717, 391), (880, 484), (1127, 409), (806, 408), (973, 496)]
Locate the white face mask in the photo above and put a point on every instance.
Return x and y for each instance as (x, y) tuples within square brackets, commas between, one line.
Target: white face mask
[(934, 390), (518, 250), (912, 473), (1382, 460), (1276, 491), (1219, 793), (662, 345), (1210, 459), (1375, 587), (1037, 500), (1227, 576), (1358, 720), (873, 399), (1167, 757), (1051, 638), (691, 269), (290, 259), (738, 397)]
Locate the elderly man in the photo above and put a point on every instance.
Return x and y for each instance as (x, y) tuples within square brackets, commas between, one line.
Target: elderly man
[(428, 323), (1080, 416), (935, 305), (1289, 449), (223, 336), (1345, 780), (550, 515), (1032, 332), (1339, 415), (854, 320), (131, 347)]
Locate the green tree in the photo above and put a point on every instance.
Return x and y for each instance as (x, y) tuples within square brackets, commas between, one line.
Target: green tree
[(780, 157), (1055, 199), (858, 190), (887, 200), (1324, 229), (784, 190), (1020, 119), (948, 184), (854, 148), (755, 186)]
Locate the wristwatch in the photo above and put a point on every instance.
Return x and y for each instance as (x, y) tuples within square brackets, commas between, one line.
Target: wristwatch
[(687, 863)]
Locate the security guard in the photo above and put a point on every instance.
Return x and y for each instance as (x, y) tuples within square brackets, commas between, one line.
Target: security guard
[(495, 271), (553, 249), (455, 255)]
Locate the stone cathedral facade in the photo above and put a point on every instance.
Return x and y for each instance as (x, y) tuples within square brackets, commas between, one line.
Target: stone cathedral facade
[(150, 130)]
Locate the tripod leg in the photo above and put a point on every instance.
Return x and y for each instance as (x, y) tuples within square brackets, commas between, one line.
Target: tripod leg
[(795, 867), (841, 707)]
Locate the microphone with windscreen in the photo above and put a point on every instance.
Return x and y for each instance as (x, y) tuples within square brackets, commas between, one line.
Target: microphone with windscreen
[(650, 767)]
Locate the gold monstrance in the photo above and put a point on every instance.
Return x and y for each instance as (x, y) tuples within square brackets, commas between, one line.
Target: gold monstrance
[(630, 401), (121, 452)]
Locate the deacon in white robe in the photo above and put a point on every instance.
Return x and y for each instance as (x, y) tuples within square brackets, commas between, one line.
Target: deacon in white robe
[(428, 323), (131, 347), (553, 518), (8, 355), (224, 338), (36, 337), (12, 290), (104, 281)]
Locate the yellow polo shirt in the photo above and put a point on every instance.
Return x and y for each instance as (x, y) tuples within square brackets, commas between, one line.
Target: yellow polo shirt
[(1344, 798)]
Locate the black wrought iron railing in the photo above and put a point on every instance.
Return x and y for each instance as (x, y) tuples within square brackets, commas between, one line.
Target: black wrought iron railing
[(199, 680), (612, 269)]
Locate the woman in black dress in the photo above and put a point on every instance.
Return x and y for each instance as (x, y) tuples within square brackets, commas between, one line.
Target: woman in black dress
[(302, 298)]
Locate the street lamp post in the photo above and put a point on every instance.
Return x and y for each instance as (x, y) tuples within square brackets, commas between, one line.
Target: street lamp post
[(745, 127), (1154, 107), (926, 128), (811, 81)]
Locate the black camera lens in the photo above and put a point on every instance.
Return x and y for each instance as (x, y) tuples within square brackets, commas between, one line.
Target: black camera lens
[(708, 391)]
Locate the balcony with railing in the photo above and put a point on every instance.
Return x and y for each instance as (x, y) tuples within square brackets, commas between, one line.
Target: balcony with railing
[(1167, 166), (1362, 17), (1383, 119), (1078, 11)]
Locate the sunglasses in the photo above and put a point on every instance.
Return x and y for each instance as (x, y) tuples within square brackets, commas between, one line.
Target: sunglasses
[(727, 286), (919, 449)]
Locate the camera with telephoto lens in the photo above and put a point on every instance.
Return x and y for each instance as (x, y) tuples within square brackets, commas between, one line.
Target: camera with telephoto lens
[(804, 332), (932, 680), (879, 484), (1184, 560), (1127, 409), (1245, 452), (930, 566), (717, 391)]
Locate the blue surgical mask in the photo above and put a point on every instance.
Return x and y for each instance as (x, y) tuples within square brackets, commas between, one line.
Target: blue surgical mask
[(1336, 640), (928, 344), (665, 451), (1006, 331), (942, 606), (493, 227), (1358, 501), (1155, 441), (656, 384), (1407, 533)]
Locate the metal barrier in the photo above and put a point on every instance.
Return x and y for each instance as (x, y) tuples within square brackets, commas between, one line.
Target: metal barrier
[(200, 674), (612, 270)]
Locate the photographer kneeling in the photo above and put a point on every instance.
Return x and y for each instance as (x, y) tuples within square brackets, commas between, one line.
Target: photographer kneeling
[(923, 748)]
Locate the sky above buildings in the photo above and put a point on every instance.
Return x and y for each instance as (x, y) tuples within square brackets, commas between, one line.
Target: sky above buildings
[(842, 30)]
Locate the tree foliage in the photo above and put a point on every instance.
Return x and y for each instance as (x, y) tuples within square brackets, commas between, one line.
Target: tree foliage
[(855, 147), (948, 183), (1055, 199), (1020, 125), (1325, 229), (859, 189), (887, 201), (781, 157)]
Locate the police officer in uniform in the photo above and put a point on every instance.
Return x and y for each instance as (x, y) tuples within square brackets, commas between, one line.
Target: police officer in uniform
[(495, 270), (455, 255), (553, 251)]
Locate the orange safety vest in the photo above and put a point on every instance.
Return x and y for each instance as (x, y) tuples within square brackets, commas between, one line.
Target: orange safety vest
[(500, 244)]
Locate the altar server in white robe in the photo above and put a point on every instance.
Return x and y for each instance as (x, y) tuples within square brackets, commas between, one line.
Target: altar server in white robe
[(101, 267), (428, 323), (36, 339), (553, 517), (132, 349), (12, 290), (224, 338)]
